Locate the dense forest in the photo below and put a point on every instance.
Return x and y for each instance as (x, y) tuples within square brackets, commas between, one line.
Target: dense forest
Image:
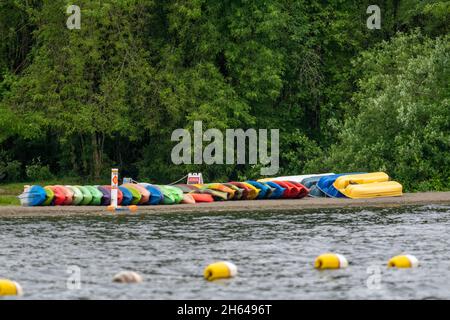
[(75, 102)]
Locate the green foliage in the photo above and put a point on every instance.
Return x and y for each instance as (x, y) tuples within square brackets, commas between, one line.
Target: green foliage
[(10, 170), (38, 172), (110, 94), (401, 121)]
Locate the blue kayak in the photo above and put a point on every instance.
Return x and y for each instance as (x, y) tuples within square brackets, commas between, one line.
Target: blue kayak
[(277, 190), (325, 184), (265, 191), (127, 196), (156, 195), (311, 184), (33, 196)]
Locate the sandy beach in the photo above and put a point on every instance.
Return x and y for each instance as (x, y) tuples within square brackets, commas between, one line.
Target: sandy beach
[(419, 198)]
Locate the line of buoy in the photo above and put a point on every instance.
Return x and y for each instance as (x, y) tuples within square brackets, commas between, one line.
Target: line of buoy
[(226, 269), (220, 270), (337, 261), (10, 288)]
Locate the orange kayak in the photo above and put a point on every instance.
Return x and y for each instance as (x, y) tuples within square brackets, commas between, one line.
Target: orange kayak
[(202, 197)]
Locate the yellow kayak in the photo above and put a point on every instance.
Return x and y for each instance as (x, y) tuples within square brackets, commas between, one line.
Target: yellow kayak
[(343, 181), (373, 190), (253, 193)]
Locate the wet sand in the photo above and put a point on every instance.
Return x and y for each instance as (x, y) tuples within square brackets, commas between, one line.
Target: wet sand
[(419, 198)]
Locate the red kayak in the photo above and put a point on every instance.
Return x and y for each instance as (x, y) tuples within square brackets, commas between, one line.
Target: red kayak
[(304, 191), (68, 193), (60, 195), (291, 190), (202, 197)]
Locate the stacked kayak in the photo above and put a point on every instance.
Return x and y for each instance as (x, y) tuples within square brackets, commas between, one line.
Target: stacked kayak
[(368, 185), (343, 185), (33, 196), (311, 184), (325, 184)]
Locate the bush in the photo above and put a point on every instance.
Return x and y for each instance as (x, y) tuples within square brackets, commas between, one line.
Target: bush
[(10, 171), (38, 172), (400, 122)]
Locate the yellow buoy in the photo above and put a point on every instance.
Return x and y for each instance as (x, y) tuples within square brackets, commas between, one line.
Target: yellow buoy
[(330, 261), (403, 261), (220, 270), (10, 288)]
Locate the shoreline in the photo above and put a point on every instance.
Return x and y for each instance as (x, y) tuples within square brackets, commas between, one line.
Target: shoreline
[(419, 198)]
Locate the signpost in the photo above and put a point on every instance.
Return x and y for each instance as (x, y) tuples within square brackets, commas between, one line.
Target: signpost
[(114, 187), (195, 178)]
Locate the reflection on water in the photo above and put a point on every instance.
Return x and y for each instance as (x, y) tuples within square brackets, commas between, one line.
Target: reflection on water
[(274, 253)]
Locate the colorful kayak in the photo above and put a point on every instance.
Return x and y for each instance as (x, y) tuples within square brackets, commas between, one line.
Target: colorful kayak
[(119, 194), (50, 195), (177, 193), (87, 196), (68, 193), (202, 197), (106, 196), (216, 194), (311, 184), (220, 187), (343, 181), (169, 198), (264, 190), (33, 196), (145, 194), (252, 191), (156, 195), (373, 190), (303, 191), (246, 190), (290, 191), (325, 184), (188, 199), (297, 178), (59, 195), (277, 190), (96, 195), (186, 187), (127, 196), (136, 195), (238, 192), (77, 195)]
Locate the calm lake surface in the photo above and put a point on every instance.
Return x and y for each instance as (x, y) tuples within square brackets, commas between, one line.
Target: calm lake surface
[(274, 253)]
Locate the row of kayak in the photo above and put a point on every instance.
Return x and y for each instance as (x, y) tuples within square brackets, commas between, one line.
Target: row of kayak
[(354, 185), (150, 194)]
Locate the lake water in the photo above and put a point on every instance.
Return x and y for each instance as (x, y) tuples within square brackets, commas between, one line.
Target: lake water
[(274, 253)]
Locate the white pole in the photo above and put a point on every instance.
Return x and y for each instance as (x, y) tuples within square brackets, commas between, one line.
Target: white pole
[(114, 186)]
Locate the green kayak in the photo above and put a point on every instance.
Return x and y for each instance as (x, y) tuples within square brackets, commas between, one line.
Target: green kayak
[(87, 196), (169, 197), (176, 192), (136, 195), (96, 195), (77, 195), (49, 196)]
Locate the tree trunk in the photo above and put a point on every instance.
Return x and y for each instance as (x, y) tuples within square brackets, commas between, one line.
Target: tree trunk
[(97, 155)]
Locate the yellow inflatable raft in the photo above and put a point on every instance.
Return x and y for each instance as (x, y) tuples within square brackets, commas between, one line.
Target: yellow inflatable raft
[(373, 190), (343, 181)]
